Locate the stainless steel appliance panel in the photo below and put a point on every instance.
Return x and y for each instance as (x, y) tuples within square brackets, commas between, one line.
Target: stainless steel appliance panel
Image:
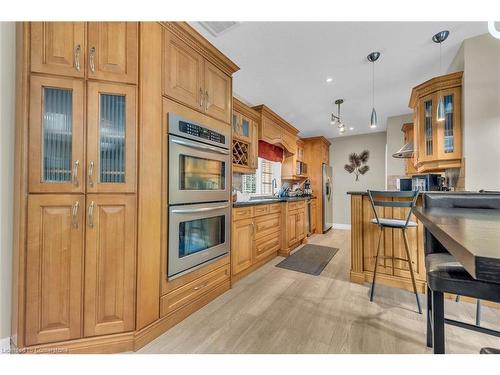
[(198, 234), (198, 172), (327, 185)]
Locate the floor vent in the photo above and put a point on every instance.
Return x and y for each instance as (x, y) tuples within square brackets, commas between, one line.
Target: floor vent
[(218, 28)]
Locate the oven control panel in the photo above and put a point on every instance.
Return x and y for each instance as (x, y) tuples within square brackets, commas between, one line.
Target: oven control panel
[(201, 132)]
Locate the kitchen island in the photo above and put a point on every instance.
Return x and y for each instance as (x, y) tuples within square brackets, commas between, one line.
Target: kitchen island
[(364, 235)]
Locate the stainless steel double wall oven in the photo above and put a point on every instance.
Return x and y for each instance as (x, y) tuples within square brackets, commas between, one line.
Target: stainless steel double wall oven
[(198, 194)]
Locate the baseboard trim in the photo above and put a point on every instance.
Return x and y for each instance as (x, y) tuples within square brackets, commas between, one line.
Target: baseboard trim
[(4, 345), (342, 226)]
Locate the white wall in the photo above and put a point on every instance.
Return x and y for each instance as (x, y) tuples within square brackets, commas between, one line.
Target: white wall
[(396, 167), (481, 112), (343, 181), (7, 111)]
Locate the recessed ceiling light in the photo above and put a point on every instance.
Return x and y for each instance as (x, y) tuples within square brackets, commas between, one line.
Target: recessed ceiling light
[(351, 128), (329, 79)]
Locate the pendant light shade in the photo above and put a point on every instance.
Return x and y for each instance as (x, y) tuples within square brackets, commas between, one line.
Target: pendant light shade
[(439, 38), (373, 119), (372, 57), (441, 115)]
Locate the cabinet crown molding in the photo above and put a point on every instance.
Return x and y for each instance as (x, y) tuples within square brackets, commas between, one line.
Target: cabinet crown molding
[(318, 139), (244, 109), (197, 42), (263, 110), (432, 85)]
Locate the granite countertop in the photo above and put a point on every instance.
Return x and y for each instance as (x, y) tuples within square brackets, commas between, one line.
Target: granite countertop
[(364, 192), (255, 202)]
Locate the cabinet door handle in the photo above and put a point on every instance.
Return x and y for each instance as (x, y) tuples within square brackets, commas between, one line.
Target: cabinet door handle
[(75, 172), (74, 214), (200, 286), (201, 98), (91, 59), (90, 214), (77, 57), (206, 100), (91, 174)]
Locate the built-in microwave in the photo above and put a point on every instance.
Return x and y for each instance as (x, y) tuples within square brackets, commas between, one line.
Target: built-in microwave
[(199, 162)]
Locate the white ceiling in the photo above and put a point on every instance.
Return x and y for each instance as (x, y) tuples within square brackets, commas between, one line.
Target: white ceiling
[(285, 65)]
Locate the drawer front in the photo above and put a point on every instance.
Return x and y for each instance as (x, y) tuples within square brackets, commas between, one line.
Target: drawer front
[(193, 290), (243, 213), (261, 210), (296, 205), (268, 224), (267, 245), (273, 208)]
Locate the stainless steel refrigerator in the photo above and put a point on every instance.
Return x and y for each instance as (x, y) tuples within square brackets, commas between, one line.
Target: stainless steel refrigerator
[(327, 185)]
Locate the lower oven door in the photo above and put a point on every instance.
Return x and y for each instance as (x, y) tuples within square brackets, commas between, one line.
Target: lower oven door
[(197, 172), (198, 234)]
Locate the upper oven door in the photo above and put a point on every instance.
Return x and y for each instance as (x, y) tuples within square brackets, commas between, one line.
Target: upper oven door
[(198, 234), (198, 172)]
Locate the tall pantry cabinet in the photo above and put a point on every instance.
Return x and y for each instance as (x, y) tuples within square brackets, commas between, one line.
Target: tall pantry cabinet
[(81, 180)]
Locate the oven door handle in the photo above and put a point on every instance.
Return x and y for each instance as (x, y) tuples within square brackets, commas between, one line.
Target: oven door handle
[(193, 210), (200, 146)]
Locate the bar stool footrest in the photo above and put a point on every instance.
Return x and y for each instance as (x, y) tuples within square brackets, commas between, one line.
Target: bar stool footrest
[(472, 327)]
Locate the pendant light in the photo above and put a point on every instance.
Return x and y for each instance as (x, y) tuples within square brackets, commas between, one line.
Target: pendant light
[(440, 38), (335, 119), (372, 57), (493, 30)]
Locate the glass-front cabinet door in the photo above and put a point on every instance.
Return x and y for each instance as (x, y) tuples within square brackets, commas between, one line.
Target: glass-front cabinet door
[(428, 135), (111, 138), (56, 133), (449, 129), (242, 127)]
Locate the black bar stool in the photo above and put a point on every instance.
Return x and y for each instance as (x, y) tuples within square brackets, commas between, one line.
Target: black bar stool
[(446, 275), (394, 223)]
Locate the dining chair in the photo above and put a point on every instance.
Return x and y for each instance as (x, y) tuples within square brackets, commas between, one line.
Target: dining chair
[(394, 199)]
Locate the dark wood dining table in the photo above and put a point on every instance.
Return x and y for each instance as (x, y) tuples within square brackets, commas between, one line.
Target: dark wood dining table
[(471, 235)]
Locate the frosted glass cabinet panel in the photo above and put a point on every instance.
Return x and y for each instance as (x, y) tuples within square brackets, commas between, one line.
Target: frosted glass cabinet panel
[(56, 135), (111, 138)]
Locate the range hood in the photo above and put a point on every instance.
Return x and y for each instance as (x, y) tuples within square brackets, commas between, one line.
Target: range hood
[(404, 152)]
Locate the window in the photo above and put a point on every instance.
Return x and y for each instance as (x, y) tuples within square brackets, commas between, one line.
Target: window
[(261, 183)]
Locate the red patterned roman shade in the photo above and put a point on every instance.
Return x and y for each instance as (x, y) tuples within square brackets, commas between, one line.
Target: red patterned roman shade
[(270, 152)]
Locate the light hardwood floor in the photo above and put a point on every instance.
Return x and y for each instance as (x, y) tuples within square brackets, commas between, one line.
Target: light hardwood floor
[(274, 310)]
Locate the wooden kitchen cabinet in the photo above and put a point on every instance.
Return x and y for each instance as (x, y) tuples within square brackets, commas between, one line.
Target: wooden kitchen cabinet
[(437, 144), (291, 225), (183, 72), (58, 48), (275, 130), (56, 152), (110, 264), (194, 80), (217, 93), (245, 138), (111, 138), (113, 51), (316, 153), (54, 267), (294, 166), (81, 210), (294, 232), (255, 236), (242, 243), (312, 218)]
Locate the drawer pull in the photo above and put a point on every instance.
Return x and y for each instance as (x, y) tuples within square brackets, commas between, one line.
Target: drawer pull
[(198, 287)]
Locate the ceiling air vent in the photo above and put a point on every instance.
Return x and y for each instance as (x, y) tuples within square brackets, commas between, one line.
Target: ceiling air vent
[(218, 28)]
